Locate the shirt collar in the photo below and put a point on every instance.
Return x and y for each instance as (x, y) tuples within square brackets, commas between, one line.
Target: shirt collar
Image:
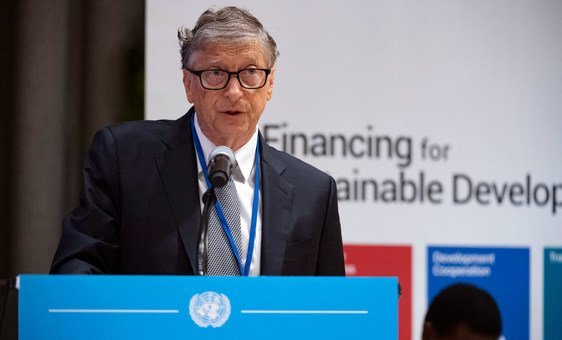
[(245, 155)]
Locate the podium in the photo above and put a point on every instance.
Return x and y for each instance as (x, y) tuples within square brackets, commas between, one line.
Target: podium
[(188, 307)]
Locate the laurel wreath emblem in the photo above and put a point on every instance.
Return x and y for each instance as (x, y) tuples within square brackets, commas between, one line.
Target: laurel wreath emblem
[(209, 309)]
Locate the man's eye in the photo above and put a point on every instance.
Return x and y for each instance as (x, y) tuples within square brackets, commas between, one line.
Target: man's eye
[(216, 73), (251, 71)]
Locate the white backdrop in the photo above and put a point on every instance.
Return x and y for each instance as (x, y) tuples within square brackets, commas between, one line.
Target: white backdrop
[(480, 81)]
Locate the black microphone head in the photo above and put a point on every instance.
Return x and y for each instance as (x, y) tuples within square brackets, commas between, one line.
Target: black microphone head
[(221, 162), (219, 171)]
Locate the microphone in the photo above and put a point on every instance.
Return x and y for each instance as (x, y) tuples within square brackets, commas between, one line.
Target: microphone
[(221, 162)]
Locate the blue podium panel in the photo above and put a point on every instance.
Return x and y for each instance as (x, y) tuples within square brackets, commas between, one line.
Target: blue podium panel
[(187, 307)]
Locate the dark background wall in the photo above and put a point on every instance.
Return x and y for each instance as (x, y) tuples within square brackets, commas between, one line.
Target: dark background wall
[(67, 68)]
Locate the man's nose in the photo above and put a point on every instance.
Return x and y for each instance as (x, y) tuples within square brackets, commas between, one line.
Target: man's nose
[(233, 87)]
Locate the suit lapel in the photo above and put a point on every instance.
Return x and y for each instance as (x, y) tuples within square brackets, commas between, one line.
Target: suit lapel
[(178, 169), (276, 218)]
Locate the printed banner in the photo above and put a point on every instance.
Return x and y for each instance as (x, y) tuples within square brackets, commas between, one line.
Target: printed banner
[(439, 121), (502, 272), (378, 260), (553, 294)]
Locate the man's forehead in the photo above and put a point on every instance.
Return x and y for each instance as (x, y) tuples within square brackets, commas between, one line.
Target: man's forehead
[(250, 51)]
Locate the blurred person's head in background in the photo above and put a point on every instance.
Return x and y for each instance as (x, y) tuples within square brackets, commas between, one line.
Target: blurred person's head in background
[(462, 311)]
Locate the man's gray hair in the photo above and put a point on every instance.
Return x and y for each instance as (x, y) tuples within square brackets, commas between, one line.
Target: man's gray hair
[(228, 25)]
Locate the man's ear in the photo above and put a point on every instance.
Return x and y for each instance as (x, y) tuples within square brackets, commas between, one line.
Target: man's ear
[(188, 85), (270, 81)]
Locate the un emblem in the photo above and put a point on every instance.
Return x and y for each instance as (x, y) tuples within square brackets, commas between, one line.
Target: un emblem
[(209, 309)]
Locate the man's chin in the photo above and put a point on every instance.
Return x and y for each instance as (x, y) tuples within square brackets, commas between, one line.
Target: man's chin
[(233, 136)]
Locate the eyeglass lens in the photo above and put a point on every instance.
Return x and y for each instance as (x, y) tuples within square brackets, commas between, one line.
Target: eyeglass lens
[(248, 78)]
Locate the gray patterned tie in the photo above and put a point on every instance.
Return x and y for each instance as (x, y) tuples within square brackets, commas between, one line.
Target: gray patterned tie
[(221, 260)]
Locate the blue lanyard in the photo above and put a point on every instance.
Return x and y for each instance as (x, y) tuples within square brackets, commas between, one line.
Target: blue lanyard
[(246, 270)]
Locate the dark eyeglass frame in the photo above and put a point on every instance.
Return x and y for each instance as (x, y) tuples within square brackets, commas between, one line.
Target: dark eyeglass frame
[(198, 73)]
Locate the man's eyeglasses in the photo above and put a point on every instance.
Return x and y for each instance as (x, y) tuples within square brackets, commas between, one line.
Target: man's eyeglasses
[(217, 79)]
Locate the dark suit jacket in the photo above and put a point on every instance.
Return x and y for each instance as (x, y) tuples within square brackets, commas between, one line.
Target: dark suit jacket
[(139, 210)]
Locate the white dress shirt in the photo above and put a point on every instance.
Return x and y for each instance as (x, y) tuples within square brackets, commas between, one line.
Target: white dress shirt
[(243, 177)]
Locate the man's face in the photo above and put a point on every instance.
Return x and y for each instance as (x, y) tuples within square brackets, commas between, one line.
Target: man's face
[(228, 116)]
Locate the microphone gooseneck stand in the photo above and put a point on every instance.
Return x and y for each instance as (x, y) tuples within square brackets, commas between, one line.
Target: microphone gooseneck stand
[(209, 199)]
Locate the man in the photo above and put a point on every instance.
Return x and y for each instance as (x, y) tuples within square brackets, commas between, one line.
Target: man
[(462, 312), (140, 208)]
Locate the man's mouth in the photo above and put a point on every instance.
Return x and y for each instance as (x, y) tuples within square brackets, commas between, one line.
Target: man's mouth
[(232, 112)]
